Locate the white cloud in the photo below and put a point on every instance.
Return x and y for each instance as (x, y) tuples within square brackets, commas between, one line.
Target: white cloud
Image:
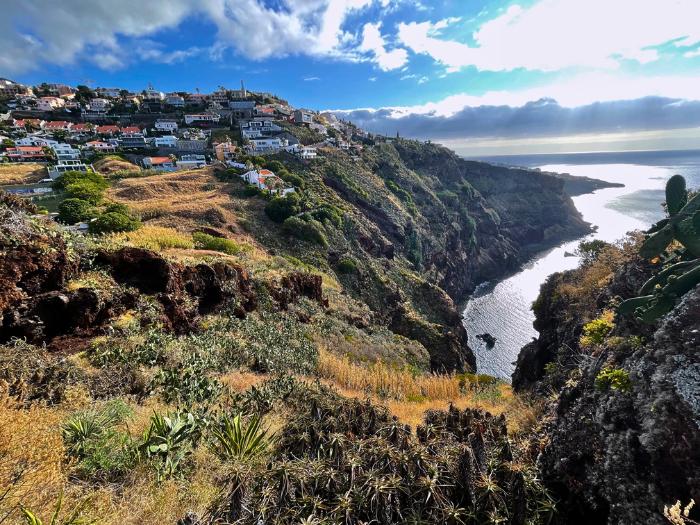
[(373, 42), (311, 79), (46, 31), (578, 91), (557, 34)]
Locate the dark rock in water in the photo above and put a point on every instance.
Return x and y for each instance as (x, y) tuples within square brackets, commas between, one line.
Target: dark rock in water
[(569, 254), (488, 339)]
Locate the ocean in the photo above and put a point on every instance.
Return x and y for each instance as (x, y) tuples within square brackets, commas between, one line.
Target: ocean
[(503, 308)]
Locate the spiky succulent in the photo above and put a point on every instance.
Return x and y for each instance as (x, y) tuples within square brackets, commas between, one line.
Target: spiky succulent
[(681, 274)]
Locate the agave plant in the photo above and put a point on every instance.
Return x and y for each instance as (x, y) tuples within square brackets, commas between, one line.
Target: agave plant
[(235, 440), (682, 273), (168, 440)]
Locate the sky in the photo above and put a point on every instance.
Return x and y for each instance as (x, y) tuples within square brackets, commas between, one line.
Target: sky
[(481, 76)]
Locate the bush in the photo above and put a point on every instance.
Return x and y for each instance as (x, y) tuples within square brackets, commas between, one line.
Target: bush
[(595, 332), (329, 213), (74, 210), (72, 177), (347, 265), (311, 230), (101, 450), (613, 378), (281, 208), (291, 178), (85, 190), (589, 250), (203, 241), (449, 198), (114, 222), (251, 190)]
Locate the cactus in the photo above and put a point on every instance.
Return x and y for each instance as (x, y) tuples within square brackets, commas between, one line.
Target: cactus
[(659, 294)]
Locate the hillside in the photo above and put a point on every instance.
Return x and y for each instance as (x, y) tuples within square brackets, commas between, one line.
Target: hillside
[(420, 227)]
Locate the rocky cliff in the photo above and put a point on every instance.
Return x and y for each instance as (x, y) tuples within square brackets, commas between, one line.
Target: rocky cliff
[(621, 437)]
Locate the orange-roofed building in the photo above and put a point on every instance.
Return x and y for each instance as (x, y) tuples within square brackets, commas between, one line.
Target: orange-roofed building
[(159, 163), (27, 154)]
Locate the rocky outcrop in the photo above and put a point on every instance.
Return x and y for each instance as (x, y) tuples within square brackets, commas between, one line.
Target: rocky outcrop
[(618, 456)]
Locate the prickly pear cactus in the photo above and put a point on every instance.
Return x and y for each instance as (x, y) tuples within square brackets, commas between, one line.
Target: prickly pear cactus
[(681, 273)]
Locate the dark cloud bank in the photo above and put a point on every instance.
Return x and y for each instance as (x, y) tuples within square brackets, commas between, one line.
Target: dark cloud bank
[(541, 118)]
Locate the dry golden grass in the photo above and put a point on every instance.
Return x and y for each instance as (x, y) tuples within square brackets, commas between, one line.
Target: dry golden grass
[(111, 163), (22, 173), (182, 199), (240, 380), (408, 396), (31, 458), (155, 238), (386, 381)]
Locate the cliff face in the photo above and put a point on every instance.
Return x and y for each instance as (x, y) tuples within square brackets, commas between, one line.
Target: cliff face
[(616, 454), (430, 226)]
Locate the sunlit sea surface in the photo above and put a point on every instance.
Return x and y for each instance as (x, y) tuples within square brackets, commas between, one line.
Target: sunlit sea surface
[(503, 308)]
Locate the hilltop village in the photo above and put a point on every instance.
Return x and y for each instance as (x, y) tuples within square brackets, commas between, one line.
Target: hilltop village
[(69, 128)]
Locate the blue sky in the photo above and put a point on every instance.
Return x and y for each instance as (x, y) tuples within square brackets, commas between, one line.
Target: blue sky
[(467, 72)]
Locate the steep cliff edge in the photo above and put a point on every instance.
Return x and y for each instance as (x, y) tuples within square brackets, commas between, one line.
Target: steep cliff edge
[(421, 226), (621, 437)]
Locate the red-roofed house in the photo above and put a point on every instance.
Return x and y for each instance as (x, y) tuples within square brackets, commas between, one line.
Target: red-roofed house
[(81, 128), (98, 145), (58, 125), (27, 154), (107, 130), (131, 129), (159, 163), (266, 180)]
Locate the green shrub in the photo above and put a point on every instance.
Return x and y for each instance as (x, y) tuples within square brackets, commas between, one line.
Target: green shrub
[(72, 177), (85, 190), (114, 222), (102, 452), (203, 241), (595, 332), (281, 208), (589, 250), (74, 210), (449, 198), (311, 230), (292, 178), (347, 265), (188, 382), (251, 190), (328, 213), (613, 378)]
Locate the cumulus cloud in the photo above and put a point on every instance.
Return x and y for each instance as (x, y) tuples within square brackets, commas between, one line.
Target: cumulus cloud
[(373, 42), (45, 31), (557, 34)]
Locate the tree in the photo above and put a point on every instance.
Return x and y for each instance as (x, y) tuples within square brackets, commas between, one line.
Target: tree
[(85, 190), (114, 222), (74, 210), (71, 177), (280, 208)]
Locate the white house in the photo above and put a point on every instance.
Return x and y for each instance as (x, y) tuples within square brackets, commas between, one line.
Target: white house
[(100, 104), (98, 145), (266, 180), (307, 152), (168, 141), (159, 163), (202, 117), (49, 103), (166, 125), (65, 152), (262, 145), (253, 129), (191, 162), (109, 92), (63, 166)]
